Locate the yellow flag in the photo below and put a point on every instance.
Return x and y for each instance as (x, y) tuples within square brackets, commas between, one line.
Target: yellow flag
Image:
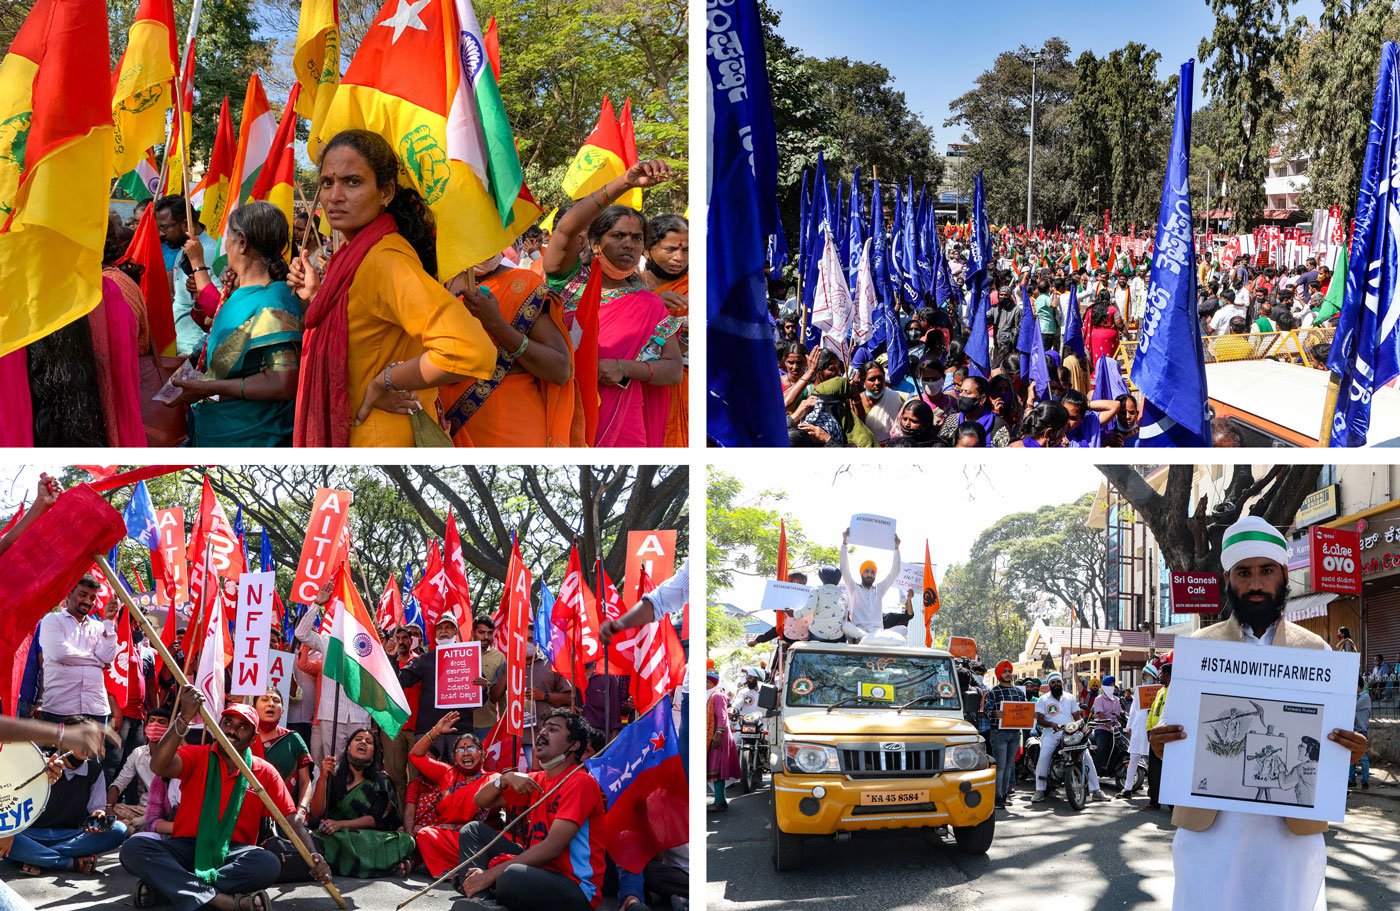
[(317, 64), (142, 95), (55, 167)]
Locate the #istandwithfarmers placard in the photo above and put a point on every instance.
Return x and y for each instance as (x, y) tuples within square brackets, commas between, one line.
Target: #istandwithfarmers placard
[(1257, 719)]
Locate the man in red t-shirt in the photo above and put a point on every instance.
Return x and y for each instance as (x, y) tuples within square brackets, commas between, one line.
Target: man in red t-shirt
[(235, 870), (560, 864)]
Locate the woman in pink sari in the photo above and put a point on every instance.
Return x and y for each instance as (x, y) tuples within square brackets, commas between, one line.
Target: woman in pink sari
[(638, 351)]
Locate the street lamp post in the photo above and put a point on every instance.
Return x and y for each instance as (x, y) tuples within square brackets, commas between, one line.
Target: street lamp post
[(1030, 169)]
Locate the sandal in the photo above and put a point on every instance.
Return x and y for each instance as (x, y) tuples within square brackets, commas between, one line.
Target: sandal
[(145, 896), (31, 870), (85, 864), (260, 901), (403, 868)]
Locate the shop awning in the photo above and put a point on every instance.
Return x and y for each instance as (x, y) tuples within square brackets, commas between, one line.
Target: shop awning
[(1308, 606)]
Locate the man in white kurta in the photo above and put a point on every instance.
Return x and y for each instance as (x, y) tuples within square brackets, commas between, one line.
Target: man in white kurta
[(1234, 861), (863, 596)]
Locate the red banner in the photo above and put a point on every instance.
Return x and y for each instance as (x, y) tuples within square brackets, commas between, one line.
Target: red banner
[(174, 582), (118, 673), (654, 551), (455, 565), (389, 613), (1195, 593), (517, 624), (323, 550), (1336, 560), (432, 591)]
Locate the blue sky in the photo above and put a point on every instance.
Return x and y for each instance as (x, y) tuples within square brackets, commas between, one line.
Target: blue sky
[(936, 50)]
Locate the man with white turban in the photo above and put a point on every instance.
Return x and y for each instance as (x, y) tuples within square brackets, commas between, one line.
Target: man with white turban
[(1230, 860)]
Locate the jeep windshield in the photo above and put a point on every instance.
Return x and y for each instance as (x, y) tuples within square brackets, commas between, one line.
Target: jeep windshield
[(820, 679)]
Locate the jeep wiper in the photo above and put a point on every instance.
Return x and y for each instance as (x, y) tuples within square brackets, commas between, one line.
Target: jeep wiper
[(847, 701), (916, 700)]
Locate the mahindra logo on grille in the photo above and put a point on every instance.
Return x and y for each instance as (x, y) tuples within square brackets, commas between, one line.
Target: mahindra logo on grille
[(892, 747)]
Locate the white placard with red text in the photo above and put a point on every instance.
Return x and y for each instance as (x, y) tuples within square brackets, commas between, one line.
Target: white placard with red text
[(252, 634)]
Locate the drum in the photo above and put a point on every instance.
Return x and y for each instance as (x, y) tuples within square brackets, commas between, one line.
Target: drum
[(20, 806)]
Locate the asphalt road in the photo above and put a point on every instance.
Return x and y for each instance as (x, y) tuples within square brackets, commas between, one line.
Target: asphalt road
[(1044, 857)]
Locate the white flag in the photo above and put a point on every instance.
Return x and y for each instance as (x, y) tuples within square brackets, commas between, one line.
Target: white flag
[(209, 677), (831, 302), (863, 325)]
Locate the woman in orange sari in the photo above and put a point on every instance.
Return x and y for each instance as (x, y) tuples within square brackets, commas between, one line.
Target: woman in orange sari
[(528, 400), (638, 353), (668, 274)]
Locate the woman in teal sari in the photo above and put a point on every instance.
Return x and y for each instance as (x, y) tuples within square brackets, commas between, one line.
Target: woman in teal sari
[(355, 802), (251, 358)]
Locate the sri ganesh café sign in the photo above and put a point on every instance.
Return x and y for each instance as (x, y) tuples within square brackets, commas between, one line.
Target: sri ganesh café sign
[(1380, 545)]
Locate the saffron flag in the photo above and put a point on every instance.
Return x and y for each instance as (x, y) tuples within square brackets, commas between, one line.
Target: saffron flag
[(141, 84), (145, 250), (275, 183), (421, 80), (55, 169), (356, 660), (644, 789), (600, 160), (628, 134), (1170, 366), (1366, 353), (211, 196), (316, 63), (256, 129), (930, 599), (782, 568)]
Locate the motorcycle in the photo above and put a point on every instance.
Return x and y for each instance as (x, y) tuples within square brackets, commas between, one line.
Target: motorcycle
[(1115, 765), (1067, 765), (751, 730)]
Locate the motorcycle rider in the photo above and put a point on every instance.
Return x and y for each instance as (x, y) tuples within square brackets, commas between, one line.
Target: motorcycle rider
[(1053, 711), (1109, 709)]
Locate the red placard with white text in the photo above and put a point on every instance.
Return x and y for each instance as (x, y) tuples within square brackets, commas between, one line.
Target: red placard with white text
[(323, 550), (458, 664), (170, 523), (653, 550)]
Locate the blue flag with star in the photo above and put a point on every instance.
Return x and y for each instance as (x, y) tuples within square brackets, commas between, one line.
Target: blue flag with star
[(140, 518)]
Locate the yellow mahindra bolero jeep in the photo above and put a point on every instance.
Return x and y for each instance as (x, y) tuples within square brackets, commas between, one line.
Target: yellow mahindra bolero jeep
[(873, 737)]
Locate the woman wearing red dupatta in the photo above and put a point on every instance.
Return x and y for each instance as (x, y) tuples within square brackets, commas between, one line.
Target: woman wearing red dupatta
[(638, 350)]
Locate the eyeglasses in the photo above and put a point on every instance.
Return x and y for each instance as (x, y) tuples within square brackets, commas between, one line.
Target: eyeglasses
[(469, 749)]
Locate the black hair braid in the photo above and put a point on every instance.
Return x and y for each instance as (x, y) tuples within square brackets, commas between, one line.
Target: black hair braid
[(415, 222)]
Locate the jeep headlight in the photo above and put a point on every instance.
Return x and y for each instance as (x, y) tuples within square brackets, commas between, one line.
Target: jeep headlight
[(811, 758), (966, 757)]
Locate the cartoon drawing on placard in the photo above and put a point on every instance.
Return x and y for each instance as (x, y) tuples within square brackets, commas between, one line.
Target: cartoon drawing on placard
[(1257, 750)]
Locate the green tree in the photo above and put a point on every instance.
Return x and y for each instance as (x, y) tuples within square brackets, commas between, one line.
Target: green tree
[(976, 602), (995, 117), (1120, 128), (741, 539), (1251, 43), (1334, 84), (12, 16)]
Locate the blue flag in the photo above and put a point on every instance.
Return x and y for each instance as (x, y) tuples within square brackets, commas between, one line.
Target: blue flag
[(1366, 353), (804, 216), (895, 260), (412, 613), (1169, 367), (1032, 347), (1108, 379), (979, 281), (912, 288), (879, 260), (140, 517), (839, 223), (818, 226), (265, 553), (745, 399), (544, 629), (777, 246), (855, 234), (924, 253), (1074, 324)]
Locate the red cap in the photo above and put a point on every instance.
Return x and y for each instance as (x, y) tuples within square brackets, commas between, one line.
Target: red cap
[(242, 710)]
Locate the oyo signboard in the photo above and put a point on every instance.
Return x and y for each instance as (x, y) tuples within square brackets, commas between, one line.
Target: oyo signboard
[(1336, 560), (1195, 593)]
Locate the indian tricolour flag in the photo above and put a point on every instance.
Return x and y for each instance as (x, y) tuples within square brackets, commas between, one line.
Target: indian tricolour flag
[(141, 182), (356, 660)]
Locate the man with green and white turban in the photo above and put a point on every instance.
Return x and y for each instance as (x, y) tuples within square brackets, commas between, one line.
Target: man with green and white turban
[(1230, 860)]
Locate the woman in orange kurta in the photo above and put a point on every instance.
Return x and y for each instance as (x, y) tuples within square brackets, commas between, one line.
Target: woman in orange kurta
[(382, 334), (667, 273), (528, 398)]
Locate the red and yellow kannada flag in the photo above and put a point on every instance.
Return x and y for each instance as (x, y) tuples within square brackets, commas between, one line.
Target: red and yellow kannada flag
[(211, 197), (316, 63), (326, 544), (930, 598), (422, 81), (601, 159), (141, 83), (178, 148), (275, 182), (628, 134), (55, 169)]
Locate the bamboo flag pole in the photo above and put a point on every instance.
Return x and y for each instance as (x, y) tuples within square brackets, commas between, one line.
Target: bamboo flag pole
[(179, 84), (211, 724), (1329, 410)]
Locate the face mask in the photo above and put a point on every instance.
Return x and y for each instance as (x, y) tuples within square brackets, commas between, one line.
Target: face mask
[(446, 640), (932, 387), (361, 764), (155, 731), (967, 403), (611, 271)]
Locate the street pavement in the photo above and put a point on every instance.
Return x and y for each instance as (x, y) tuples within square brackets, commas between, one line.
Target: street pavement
[(1044, 856)]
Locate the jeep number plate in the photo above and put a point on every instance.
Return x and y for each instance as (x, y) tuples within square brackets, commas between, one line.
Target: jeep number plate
[(892, 798)]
